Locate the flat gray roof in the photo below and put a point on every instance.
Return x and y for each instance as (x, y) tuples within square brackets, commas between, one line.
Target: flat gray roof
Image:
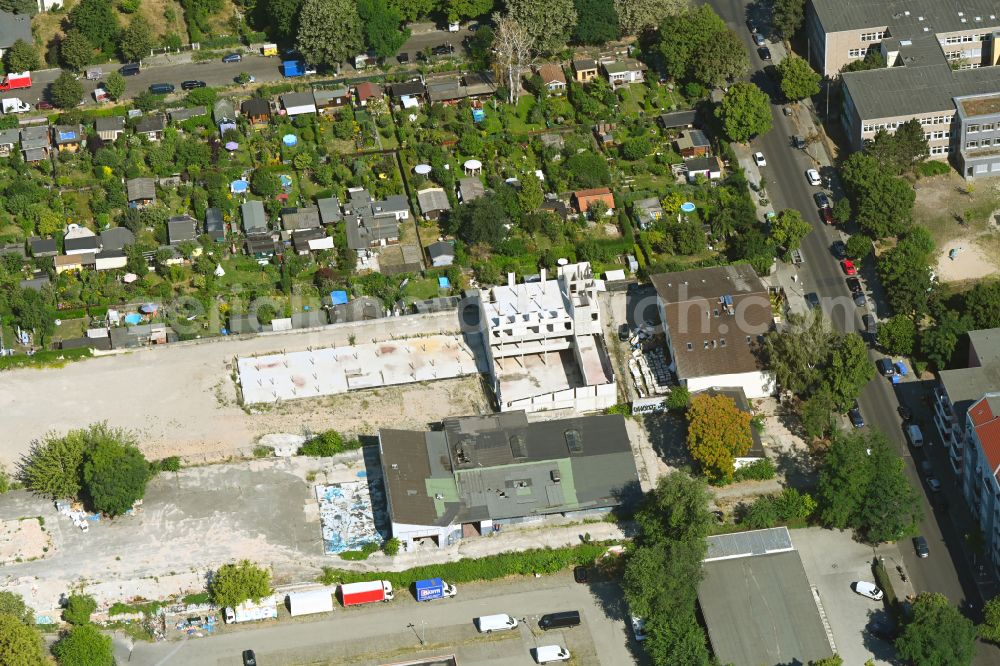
[(938, 15), (14, 27), (760, 610), (914, 90), (987, 344), (747, 544)]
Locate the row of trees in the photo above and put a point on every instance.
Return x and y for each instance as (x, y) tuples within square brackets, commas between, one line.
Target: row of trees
[(94, 28), (21, 643)]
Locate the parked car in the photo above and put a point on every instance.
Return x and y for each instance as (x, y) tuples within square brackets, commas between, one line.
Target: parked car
[(882, 629), (822, 200), (758, 38), (854, 413), (764, 53), (869, 325), (758, 159), (826, 215), (933, 483), (866, 589), (859, 299), (402, 58), (638, 628), (904, 412), (920, 545), (813, 177), (854, 284), (443, 49), (839, 249), (161, 88), (848, 266), (232, 57), (797, 141), (885, 367), (812, 299), (44, 106), (249, 658), (191, 85), (624, 332), (580, 574), (926, 466)]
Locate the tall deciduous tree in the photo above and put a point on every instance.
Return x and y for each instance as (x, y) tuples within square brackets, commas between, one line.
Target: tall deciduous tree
[(66, 91), (52, 465), (905, 271), (233, 584), (722, 59), (636, 16), (549, 23), (849, 370), (937, 634), (718, 433), (75, 50), (283, 18), (115, 472), (28, 7), (98, 22), (787, 16), (481, 221), (136, 40), (382, 27), (84, 646), (938, 342), (597, 22), (899, 151), (696, 45), (115, 85), (788, 229), (897, 335), (797, 355), (989, 630), (12, 603), (20, 645), (745, 112), (982, 303), (21, 57), (457, 10), (513, 46), (798, 79), (79, 608), (329, 31)]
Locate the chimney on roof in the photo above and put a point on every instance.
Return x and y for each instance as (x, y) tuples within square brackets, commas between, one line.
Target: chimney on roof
[(543, 274), (510, 279)]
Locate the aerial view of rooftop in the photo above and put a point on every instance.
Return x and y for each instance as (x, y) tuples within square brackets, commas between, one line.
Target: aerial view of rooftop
[(499, 332)]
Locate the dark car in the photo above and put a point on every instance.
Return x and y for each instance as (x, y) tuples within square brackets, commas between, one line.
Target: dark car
[(822, 200), (624, 332), (562, 620), (191, 85), (580, 574), (161, 88), (885, 367), (854, 413), (812, 299), (232, 57), (882, 629), (249, 658), (443, 49), (764, 53), (839, 249), (129, 69), (798, 142), (859, 299), (920, 545), (869, 324), (854, 284), (904, 412), (826, 215), (403, 58), (44, 106)]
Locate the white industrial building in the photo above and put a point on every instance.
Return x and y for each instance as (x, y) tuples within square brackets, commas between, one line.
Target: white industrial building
[(544, 343)]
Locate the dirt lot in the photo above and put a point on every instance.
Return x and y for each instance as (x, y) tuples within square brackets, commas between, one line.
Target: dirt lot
[(182, 400), (944, 200), (22, 539)]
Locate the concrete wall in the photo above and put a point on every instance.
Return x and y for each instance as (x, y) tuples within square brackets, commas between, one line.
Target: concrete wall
[(756, 384), (407, 533), (583, 399)]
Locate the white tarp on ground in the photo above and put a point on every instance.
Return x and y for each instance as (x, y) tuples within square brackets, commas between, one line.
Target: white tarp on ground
[(345, 511), (318, 372)]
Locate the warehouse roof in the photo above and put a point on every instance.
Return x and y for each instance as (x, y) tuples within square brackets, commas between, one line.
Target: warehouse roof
[(913, 15)]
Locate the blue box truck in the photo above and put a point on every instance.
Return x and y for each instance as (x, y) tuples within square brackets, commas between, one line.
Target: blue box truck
[(434, 588), (293, 68)]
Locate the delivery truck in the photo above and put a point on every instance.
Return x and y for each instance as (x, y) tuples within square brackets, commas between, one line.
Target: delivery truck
[(434, 588), (14, 105), (293, 68), (251, 611), (15, 80), (352, 594)]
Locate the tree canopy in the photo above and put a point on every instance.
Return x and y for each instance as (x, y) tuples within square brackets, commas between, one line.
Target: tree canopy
[(549, 23), (84, 646), (905, 271), (798, 79), (696, 45), (98, 22), (483, 220), (899, 151), (382, 27), (75, 50), (115, 472), (21, 57), (597, 22), (718, 433), (787, 16), (637, 16), (329, 31), (66, 92), (745, 112), (20, 645), (788, 229), (12, 603), (882, 202), (79, 608), (233, 584), (937, 634), (136, 40)]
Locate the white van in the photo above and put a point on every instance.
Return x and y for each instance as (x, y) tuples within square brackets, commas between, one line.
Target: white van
[(914, 435), (487, 624), (547, 653)]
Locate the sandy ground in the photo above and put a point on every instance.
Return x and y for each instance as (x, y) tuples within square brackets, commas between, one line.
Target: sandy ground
[(22, 539), (181, 399), (970, 263)]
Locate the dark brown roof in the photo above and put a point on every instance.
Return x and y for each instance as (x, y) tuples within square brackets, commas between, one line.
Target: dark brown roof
[(710, 314), (409, 467)]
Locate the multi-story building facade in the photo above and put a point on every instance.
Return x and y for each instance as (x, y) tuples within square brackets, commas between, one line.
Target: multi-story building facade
[(981, 478), (958, 389), (941, 69)]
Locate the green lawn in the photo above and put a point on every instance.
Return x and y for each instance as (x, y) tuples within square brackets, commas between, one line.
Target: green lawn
[(421, 289)]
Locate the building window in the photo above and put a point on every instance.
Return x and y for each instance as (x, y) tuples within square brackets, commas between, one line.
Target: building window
[(971, 144), (973, 129), (872, 36), (986, 127), (856, 53)]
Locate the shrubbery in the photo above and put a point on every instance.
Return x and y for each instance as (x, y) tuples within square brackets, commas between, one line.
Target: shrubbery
[(758, 470), (328, 443), (492, 567), (769, 510)]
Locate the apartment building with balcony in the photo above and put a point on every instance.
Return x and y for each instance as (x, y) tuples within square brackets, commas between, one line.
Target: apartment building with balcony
[(941, 69), (959, 389), (981, 480)]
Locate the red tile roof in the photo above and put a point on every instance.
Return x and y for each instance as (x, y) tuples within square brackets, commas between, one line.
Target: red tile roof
[(584, 198), (987, 426)]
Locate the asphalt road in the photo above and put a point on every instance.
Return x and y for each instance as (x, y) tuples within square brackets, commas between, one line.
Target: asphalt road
[(395, 629), (946, 570), (219, 74)]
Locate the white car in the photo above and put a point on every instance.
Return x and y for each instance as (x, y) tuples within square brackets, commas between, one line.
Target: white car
[(758, 159), (866, 589), (813, 177), (639, 628)]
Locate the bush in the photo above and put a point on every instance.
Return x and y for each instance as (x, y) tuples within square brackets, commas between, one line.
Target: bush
[(262, 451), (491, 567), (171, 464), (932, 168), (758, 470), (79, 608), (197, 598), (328, 443), (233, 584), (391, 547), (768, 510)]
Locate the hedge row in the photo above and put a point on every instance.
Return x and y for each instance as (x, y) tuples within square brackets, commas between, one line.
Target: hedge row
[(43, 358), (492, 567)]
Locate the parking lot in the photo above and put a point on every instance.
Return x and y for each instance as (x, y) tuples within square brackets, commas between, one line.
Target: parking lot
[(404, 630), (833, 560)]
